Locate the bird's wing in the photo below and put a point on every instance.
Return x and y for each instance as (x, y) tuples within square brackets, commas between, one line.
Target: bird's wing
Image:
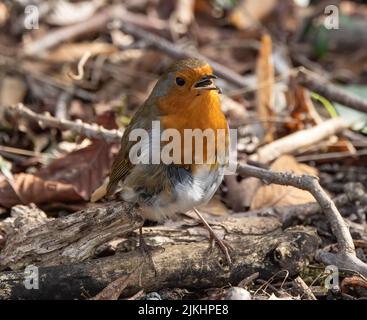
[(122, 164)]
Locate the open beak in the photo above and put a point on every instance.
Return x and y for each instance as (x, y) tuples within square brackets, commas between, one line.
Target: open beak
[(206, 83)]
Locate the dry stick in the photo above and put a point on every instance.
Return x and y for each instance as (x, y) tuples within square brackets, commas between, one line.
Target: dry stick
[(53, 38), (307, 292), (95, 23), (332, 92), (179, 53), (345, 258), (82, 128), (298, 140)]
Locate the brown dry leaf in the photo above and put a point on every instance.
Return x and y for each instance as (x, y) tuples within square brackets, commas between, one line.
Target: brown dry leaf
[(182, 16), (303, 112), (115, 288), (4, 14), (343, 145), (12, 90), (214, 207), (71, 178), (265, 83), (240, 194), (70, 52), (248, 13), (353, 282), (277, 195)]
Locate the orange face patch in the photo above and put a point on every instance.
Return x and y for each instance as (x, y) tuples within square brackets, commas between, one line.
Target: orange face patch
[(185, 107)]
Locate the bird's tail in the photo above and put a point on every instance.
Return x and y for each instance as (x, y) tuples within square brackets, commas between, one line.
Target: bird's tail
[(100, 192)]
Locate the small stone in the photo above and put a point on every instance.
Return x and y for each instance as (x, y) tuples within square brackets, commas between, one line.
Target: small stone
[(152, 296), (237, 293)]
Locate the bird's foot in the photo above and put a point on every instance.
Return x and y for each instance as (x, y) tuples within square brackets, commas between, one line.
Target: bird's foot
[(213, 237), (224, 246), (146, 251)]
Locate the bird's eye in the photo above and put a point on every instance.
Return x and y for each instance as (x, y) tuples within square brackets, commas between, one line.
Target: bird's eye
[(180, 82)]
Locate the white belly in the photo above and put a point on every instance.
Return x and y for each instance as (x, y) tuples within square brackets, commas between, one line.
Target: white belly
[(186, 195)]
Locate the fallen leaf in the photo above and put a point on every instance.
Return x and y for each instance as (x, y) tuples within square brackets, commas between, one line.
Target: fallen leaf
[(240, 193), (265, 84), (277, 195), (4, 14), (12, 90), (353, 282), (70, 178), (303, 112), (214, 207), (248, 13), (115, 288)]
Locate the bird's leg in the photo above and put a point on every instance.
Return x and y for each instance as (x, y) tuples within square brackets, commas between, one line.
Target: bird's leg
[(214, 238), (131, 215), (146, 250)]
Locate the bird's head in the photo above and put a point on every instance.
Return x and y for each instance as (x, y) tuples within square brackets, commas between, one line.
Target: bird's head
[(187, 82)]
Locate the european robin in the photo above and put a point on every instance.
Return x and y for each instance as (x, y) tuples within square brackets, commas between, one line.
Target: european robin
[(184, 98)]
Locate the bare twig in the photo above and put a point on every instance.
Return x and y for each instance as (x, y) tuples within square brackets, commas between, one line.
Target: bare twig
[(82, 128), (97, 22), (346, 257), (81, 64), (177, 52), (325, 88), (306, 291), (51, 39)]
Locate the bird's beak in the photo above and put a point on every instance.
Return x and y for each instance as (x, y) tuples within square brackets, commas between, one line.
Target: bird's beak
[(206, 83)]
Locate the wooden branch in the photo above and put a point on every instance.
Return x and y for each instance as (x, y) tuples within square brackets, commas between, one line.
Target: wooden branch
[(79, 127), (182, 261), (300, 139), (69, 239), (332, 92), (346, 257)]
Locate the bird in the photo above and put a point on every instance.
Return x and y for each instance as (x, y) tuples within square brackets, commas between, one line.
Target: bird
[(184, 98)]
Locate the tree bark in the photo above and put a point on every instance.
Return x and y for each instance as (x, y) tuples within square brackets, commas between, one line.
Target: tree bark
[(35, 239), (181, 259)]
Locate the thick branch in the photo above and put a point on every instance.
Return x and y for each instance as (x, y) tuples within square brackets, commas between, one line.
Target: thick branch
[(69, 239), (180, 261)]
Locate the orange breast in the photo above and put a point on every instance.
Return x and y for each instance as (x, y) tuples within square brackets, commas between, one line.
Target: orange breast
[(200, 112)]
